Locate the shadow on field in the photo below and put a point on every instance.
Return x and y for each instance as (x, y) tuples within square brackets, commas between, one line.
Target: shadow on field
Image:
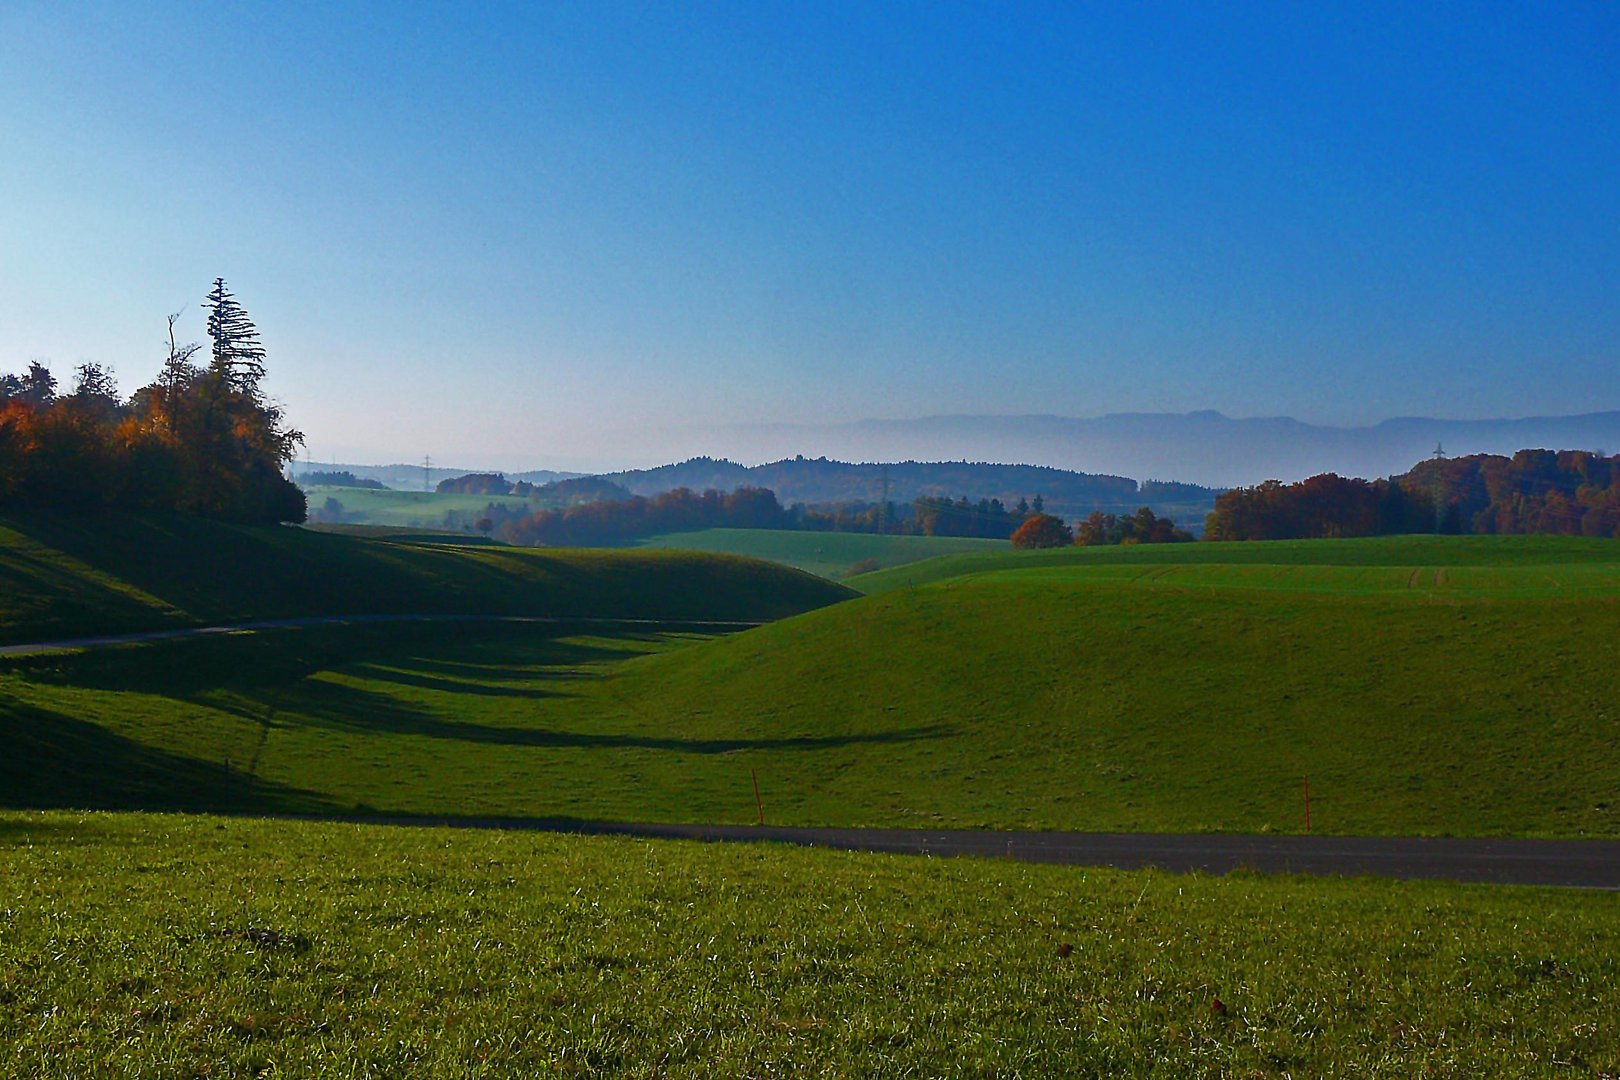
[(333, 678), (52, 761), (195, 668), (22, 831), (341, 707)]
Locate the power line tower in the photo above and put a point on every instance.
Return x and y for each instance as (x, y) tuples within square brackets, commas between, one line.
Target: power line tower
[(427, 472)]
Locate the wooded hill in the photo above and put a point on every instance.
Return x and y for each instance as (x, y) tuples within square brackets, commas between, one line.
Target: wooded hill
[(821, 481)]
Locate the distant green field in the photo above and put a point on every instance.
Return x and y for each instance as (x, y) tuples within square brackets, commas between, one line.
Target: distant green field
[(828, 554), (404, 534), (1399, 551), (64, 575), (414, 509), (1460, 700), (142, 945)]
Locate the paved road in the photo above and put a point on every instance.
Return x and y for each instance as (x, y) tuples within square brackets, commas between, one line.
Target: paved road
[(1581, 863), (78, 644)]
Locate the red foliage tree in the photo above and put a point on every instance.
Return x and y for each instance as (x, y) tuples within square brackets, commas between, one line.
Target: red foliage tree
[(1042, 531)]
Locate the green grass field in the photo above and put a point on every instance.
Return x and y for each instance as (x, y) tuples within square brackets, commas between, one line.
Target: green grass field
[(1466, 700), (144, 945), (404, 534), (1410, 552), (410, 509), (828, 554), (65, 575)]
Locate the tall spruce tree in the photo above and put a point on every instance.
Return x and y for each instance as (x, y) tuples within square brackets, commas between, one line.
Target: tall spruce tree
[(238, 353)]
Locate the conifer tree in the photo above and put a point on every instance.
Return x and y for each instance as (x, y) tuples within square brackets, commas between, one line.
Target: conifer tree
[(238, 353)]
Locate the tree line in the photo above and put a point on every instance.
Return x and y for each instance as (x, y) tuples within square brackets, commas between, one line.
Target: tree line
[(622, 520), (201, 438), (1565, 492), (616, 521), (1097, 529), (340, 478)]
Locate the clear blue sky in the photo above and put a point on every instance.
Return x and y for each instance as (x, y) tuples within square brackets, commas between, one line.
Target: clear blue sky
[(514, 235)]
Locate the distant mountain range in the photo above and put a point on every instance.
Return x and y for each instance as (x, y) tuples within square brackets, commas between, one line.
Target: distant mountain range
[(1200, 447), (1203, 448)]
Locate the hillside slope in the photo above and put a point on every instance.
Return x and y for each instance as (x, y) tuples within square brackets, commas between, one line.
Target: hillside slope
[(828, 554), (1419, 699), (63, 575), (1399, 551)]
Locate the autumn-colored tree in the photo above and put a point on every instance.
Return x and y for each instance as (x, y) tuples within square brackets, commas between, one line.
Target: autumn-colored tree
[(1042, 531), (1570, 492), (196, 440)]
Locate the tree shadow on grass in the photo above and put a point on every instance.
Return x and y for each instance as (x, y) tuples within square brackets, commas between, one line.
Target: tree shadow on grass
[(349, 708), (52, 761), (192, 668), (515, 661), (16, 831), (398, 677), (266, 680)]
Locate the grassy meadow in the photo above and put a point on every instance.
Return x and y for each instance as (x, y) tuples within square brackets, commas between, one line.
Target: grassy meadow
[(142, 945), (1405, 552), (827, 554), (1426, 685), (65, 575), (1476, 698), (408, 509)]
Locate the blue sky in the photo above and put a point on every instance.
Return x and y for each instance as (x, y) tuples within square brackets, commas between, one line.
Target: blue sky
[(539, 234)]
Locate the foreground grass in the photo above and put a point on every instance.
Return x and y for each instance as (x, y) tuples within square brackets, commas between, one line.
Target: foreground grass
[(827, 554), (138, 945), (1193, 700), (64, 575)]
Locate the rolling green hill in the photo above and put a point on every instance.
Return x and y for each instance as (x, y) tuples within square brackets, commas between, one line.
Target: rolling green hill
[(1474, 699), (1402, 551), (65, 575), (828, 554)]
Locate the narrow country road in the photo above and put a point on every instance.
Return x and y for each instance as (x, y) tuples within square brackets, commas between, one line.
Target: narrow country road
[(1578, 863), (33, 648)]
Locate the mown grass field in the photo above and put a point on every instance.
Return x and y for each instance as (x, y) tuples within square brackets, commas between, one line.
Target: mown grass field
[(1409, 552), (1474, 699), (411, 509), (64, 575), (828, 554), (404, 534), (149, 945)]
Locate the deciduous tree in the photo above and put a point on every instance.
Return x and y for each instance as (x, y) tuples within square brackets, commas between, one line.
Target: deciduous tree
[(1042, 531)]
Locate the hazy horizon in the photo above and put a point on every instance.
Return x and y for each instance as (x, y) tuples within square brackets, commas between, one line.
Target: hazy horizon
[(567, 237), (1204, 448)]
